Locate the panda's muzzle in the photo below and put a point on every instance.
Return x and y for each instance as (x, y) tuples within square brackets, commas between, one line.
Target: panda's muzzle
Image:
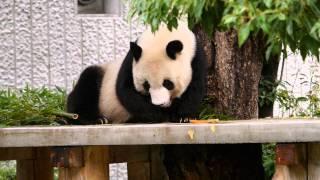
[(160, 97)]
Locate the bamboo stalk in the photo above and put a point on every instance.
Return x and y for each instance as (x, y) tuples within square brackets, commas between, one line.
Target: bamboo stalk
[(67, 115)]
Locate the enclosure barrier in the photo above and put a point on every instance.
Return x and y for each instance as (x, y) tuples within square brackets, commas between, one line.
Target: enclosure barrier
[(83, 152)]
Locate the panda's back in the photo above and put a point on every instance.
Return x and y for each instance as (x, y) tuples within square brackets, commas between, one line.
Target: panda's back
[(109, 105)]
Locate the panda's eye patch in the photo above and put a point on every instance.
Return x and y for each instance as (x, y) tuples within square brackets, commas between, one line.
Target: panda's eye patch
[(168, 84), (146, 86)]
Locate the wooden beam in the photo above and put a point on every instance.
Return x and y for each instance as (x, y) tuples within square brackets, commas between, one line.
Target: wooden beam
[(247, 131), (120, 154), (95, 165), (20, 153)]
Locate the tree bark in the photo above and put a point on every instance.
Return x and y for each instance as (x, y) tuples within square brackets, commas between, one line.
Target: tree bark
[(233, 79)]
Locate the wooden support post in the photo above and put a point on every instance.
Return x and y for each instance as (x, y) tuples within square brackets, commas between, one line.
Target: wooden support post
[(139, 171), (25, 170), (38, 168), (291, 162), (158, 170), (95, 167), (313, 161), (67, 157)]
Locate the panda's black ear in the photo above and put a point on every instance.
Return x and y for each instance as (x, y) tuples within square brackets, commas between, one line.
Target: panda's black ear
[(173, 48), (136, 50)]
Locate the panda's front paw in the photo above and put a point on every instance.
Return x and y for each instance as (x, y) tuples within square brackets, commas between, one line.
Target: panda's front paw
[(184, 120)]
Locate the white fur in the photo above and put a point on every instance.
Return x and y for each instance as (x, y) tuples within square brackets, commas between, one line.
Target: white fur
[(109, 104), (155, 66), (160, 97)]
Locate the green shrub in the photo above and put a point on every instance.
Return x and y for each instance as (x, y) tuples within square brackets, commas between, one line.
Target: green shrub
[(7, 170), (31, 106), (268, 158)]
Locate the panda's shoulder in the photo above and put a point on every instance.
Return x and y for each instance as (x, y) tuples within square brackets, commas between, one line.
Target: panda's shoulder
[(92, 72)]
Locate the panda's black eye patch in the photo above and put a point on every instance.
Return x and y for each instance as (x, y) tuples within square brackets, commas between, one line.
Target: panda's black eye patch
[(168, 84), (173, 48), (146, 86)]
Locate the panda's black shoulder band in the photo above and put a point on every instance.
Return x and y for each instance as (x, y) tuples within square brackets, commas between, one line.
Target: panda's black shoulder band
[(136, 50)]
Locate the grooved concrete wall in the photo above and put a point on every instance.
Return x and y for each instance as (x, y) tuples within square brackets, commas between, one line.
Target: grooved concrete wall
[(46, 43)]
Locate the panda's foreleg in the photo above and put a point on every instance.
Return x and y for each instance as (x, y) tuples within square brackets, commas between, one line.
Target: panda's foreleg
[(84, 98), (191, 100)]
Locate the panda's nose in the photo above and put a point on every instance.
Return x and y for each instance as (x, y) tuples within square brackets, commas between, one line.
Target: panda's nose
[(165, 104), (160, 97)]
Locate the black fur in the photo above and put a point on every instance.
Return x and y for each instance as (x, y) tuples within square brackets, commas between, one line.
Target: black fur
[(136, 50), (84, 98), (140, 106), (173, 48)]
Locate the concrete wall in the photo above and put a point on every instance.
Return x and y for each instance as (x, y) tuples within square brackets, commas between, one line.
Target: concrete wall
[(46, 43)]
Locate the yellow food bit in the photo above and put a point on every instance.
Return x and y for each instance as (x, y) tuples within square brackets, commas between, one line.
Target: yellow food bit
[(196, 121), (191, 133), (213, 129)]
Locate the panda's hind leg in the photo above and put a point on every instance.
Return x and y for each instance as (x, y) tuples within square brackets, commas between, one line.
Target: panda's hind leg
[(84, 98)]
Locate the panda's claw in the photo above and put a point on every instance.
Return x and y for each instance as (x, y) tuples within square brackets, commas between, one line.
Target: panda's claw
[(103, 120), (184, 120)]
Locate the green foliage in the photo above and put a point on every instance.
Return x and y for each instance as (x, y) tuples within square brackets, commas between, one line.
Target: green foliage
[(206, 111), (154, 12), (267, 92), (7, 170), (268, 158), (30, 106), (292, 23), (301, 106)]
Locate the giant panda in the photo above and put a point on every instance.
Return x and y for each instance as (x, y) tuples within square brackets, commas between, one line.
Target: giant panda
[(162, 78)]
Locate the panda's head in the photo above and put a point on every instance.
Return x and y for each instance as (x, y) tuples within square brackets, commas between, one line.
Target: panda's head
[(162, 63)]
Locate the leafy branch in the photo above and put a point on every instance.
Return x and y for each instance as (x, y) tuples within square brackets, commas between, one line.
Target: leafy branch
[(292, 23)]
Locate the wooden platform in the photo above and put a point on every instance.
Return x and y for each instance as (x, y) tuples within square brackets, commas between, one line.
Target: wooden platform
[(248, 131), (84, 152)]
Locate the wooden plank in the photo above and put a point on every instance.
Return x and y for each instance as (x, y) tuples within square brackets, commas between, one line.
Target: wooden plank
[(157, 170), (19, 153), (139, 171), (313, 161), (38, 168), (25, 170), (120, 154), (247, 131), (291, 163), (95, 167)]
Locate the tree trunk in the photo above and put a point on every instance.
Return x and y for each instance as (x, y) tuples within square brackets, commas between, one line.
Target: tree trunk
[(233, 80)]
